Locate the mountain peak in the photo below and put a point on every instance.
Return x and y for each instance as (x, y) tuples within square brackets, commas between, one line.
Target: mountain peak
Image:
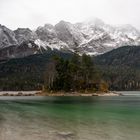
[(7, 37), (22, 29), (24, 34), (63, 22), (48, 26)]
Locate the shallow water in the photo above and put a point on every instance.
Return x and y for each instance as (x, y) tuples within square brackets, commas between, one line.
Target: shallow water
[(70, 118)]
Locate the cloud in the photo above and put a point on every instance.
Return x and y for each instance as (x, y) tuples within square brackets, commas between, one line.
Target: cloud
[(33, 13)]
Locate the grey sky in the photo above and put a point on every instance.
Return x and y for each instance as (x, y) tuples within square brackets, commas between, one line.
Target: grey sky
[(34, 13)]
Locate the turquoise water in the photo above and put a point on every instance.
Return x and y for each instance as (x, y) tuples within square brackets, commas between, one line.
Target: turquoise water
[(70, 118)]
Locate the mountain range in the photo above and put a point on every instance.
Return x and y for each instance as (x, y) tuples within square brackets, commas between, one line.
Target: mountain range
[(92, 37)]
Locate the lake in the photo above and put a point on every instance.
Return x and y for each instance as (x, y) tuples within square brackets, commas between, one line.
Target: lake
[(70, 118)]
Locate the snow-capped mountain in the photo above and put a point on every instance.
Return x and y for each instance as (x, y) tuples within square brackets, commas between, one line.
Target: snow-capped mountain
[(101, 37), (7, 37), (69, 34), (48, 38), (26, 48), (24, 34), (92, 37)]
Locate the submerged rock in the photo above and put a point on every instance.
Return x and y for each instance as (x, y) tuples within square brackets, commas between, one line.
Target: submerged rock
[(65, 135)]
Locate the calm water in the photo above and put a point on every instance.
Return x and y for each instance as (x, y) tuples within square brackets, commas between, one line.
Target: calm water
[(70, 118)]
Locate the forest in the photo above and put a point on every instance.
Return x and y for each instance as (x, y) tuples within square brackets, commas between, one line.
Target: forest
[(121, 68), (56, 70)]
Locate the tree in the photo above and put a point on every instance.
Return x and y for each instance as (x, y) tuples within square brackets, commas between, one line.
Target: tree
[(103, 86), (50, 75)]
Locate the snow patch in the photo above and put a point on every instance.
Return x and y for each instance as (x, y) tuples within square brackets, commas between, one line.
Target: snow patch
[(40, 44)]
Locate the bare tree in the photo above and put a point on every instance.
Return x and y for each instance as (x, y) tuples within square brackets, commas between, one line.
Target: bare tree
[(50, 75)]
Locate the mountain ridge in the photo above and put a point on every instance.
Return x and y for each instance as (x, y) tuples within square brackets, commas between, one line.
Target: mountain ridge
[(92, 37)]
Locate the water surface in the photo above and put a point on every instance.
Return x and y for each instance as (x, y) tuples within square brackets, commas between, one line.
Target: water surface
[(70, 118)]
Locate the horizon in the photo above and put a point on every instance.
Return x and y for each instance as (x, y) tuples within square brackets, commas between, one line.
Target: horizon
[(34, 13)]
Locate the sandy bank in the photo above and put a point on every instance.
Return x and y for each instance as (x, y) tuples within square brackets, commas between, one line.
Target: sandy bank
[(82, 94), (19, 93)]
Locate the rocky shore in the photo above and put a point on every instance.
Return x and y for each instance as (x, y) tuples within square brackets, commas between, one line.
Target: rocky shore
[(40, 93)]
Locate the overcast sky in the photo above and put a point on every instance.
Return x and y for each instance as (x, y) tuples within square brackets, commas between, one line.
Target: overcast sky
[(34, 13)]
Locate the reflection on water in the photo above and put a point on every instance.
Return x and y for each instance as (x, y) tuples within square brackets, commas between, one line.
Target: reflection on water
[(69, 118)]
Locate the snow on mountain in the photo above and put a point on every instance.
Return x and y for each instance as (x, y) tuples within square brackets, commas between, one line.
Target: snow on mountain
[(92, 37), (46, 33), (103, 37), (69, 34), (48, 38), (26, 48), (7, 37), (24, 34), (40, 44)]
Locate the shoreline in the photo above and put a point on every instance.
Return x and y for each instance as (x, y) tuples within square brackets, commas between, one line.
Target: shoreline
[(82, 94), (57, 94)]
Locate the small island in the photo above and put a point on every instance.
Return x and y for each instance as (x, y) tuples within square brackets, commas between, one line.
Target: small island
[(78, 76)]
